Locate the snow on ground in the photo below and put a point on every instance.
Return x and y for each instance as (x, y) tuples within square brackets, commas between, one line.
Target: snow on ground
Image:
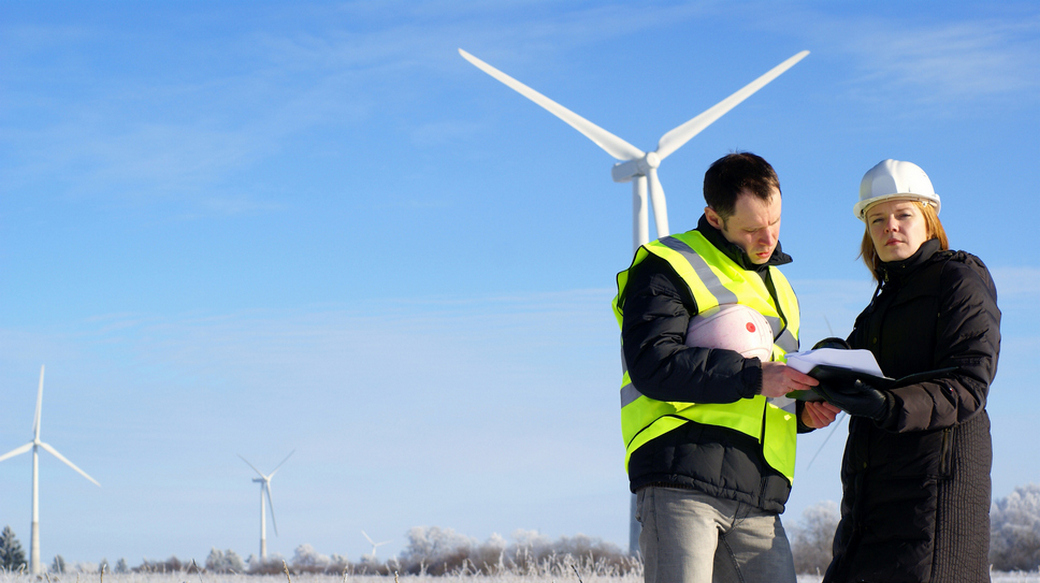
[(182, 577)]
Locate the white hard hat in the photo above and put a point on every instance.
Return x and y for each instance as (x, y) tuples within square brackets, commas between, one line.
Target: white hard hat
[(893, 179), (734, 327)]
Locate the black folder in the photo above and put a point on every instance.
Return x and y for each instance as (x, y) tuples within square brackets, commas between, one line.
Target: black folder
[(827, 373)]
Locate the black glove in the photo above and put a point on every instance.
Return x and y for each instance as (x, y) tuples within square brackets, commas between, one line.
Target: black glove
[(856, 397), (832, 342)]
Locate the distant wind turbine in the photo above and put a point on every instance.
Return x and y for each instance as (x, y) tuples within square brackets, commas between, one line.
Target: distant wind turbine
[(34, 445), (265, 489), (635, 165), (639, 167), (374, 544)]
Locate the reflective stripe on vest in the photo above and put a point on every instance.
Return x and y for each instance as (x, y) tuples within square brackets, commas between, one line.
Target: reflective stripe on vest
[(714, 279)]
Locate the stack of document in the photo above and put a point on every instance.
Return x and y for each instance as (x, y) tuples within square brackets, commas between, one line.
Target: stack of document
[(831, 362), (861, 361)]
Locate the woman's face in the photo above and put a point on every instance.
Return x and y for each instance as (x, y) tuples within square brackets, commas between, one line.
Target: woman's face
[(897, 229)]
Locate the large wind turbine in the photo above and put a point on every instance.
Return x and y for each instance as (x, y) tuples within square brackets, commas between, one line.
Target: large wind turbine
[(635, 165), (639, 167), (374, 544), (34, 445), (265, 488)]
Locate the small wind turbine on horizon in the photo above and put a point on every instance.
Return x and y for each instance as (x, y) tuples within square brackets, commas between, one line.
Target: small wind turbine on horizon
[(639, 167), (34, 445), (265, 490), (635, 165), (374, 544)]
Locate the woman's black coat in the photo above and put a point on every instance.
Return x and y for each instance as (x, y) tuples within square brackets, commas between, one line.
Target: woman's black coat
[(916, 484)]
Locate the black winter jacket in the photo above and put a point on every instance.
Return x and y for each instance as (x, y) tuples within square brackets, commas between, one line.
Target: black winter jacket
[(714, 460), (916, 499)]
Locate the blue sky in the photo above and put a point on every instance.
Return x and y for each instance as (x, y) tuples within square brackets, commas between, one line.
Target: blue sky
[(252, 228)]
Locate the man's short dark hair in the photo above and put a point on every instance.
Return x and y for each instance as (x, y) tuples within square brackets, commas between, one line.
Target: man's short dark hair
[(733, 174)]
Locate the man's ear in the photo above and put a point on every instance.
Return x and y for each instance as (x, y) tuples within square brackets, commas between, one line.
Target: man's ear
[(713, 217)]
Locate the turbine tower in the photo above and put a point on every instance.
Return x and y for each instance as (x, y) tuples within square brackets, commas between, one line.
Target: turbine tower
[(639, 167), (634, 165), (35, 445), (265, 489), (374, 544)]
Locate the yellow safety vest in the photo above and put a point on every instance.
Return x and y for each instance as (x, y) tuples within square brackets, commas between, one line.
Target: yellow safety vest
[(714, 279)]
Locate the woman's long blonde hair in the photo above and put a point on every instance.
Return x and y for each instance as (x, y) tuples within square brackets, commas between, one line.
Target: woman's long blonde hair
[(932, 224)]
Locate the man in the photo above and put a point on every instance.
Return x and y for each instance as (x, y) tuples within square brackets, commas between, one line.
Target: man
[(709, 434)]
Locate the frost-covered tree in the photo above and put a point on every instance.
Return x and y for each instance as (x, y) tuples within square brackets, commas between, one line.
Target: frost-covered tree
[(220, 561), (122, 566), (171, 565), (309, 560), (12, 557), (812, 538), (532, 542), (272, 565), (215, 560), (338, 563), (233, 562), (433, 546), (58, 564), (1015, 530)]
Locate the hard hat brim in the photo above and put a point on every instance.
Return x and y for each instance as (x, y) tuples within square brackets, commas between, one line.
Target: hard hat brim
[(860, 208)]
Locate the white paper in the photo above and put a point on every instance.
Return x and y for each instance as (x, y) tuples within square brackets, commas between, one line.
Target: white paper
[(859, 360)]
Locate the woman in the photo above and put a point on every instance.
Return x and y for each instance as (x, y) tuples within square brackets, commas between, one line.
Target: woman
[(916, 472)]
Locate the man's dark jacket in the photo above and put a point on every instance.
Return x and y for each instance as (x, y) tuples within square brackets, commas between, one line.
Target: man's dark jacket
[(717, 461), (917, 484)]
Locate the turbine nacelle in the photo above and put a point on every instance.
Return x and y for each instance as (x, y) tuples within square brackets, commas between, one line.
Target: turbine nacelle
[(626, 171)]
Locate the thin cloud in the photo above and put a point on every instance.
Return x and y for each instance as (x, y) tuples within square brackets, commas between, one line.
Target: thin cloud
[(1017, 283), (963, 61), (951, 62)]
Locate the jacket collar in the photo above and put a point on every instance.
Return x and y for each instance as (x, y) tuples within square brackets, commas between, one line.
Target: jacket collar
[(734, 252), (897, 270)]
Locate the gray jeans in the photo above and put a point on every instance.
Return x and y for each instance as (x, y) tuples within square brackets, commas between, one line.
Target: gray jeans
[(690, 537)]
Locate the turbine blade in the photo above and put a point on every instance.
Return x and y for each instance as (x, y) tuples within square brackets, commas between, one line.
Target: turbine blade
[(17, 451), (613, 145), (55, 453), (39, 407), (270, 505), (280, 465), (674, 139), (368, 538), (252, 466), (658, 202)]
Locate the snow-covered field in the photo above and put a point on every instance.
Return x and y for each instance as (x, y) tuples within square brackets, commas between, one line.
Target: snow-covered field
[(1033, 577)]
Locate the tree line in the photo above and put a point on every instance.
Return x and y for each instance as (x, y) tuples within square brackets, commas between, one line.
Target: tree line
[(1014, 546)]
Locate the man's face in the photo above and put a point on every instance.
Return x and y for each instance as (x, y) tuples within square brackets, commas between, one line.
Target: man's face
[(754, 225)]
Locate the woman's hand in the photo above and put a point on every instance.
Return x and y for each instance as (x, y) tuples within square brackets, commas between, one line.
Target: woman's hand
[(819, 414)]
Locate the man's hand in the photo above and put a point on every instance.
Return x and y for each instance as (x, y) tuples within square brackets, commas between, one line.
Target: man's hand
[(778, 379), (819, 414)]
